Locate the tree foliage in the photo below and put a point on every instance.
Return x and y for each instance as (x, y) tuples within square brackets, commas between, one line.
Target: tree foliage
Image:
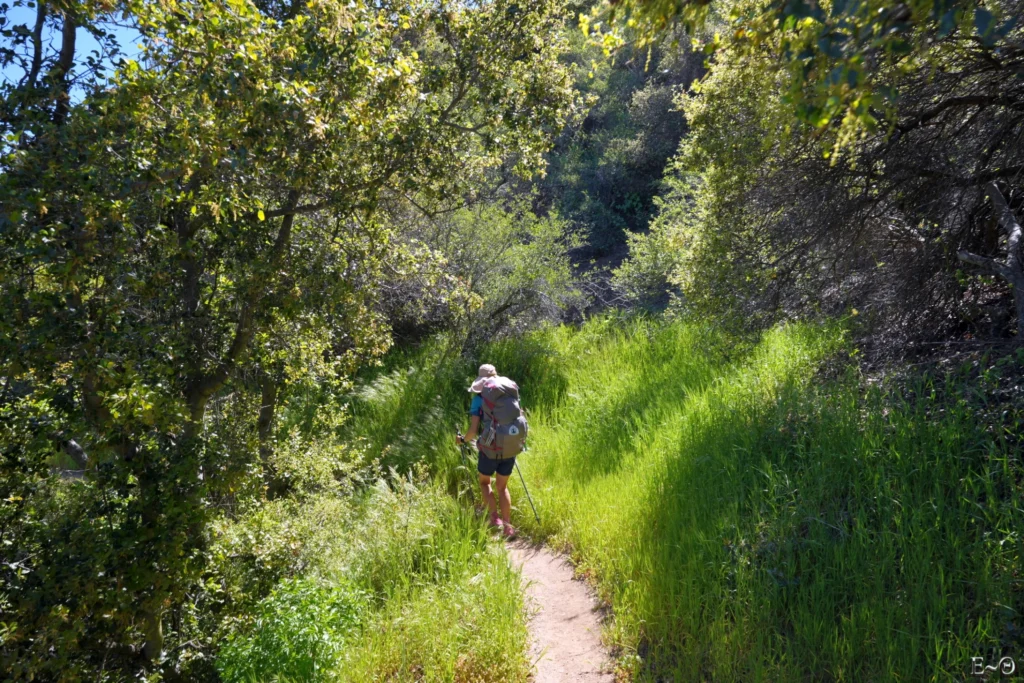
[(840, 55), (514, 262), (765, 221), (605, 172), (206, 219)]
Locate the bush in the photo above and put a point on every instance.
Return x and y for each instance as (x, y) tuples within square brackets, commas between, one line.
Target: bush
[(297, 633), (407, 557)]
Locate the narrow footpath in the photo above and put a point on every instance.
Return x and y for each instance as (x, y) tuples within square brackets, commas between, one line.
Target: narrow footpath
[(565, 624)]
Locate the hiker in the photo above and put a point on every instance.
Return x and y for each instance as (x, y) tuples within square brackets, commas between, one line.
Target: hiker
[(496, 406)]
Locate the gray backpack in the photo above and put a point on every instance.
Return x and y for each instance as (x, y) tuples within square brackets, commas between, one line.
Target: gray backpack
[(503, 433)]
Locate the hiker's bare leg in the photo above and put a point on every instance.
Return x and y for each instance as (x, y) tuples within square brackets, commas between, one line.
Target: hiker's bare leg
[(504, 498), (485, 489)]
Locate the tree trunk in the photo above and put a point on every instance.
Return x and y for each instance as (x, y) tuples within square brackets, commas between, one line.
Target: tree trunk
[(37, 45), (65, 60), (1012, 268), (202, 388), (265, 423), (153, 626)]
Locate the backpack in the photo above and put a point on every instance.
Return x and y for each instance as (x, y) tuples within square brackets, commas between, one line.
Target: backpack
[(503, 433)]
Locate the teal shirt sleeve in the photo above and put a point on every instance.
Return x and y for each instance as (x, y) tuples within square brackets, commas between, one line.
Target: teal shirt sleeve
[(477, 406)]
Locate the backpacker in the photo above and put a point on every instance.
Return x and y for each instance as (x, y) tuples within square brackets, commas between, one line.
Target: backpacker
[(504, 428)]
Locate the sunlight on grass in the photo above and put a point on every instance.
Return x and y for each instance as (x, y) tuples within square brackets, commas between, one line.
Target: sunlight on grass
[(747, 516), (401, 583), (748, 520)]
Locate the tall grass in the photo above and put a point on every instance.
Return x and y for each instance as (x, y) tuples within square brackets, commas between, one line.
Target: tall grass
[(437, 598), (749, 521), (399, 582), (746, 517), (404, 414)]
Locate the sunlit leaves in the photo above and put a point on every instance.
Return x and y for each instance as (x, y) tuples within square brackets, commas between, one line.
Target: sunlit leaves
[(838, 53), (209, 218)]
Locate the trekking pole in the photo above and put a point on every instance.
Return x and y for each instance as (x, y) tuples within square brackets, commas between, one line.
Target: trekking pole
[(463, 448), (462, 443), (535, 515)]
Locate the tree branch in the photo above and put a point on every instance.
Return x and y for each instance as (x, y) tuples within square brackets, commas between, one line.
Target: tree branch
[(989, 176), (296, 211), (65, 60), (1011, 269), (37, 45), (76, 453), (202, 389), (1006, 218), (984, 262), (965, 101)]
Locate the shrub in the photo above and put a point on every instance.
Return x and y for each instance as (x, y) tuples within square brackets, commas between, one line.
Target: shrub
[(297, 633)]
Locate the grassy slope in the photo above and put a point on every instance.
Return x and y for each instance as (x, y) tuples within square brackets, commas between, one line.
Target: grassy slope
[(441, 602), (746, 519), (400, 583), (748, 522), (456, 613)]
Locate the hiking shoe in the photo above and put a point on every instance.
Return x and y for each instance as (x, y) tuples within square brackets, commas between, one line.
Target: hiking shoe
[(509, 531), (495, 520)]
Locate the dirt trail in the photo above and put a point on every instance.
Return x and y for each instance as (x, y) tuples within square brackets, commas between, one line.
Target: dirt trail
[(565, 626)]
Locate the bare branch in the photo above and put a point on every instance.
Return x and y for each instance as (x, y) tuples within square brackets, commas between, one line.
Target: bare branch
[(984, 262), (65, 60), (37, 45), (1011, 269), (1005, 217), (965, 101)]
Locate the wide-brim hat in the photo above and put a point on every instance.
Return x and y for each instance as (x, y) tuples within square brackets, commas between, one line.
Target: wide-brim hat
[(485, 373)]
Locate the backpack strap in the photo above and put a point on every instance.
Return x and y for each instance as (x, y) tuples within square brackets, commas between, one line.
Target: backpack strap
[(488, 405)]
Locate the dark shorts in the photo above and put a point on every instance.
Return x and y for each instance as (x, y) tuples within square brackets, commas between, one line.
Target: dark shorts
[(486, 466)]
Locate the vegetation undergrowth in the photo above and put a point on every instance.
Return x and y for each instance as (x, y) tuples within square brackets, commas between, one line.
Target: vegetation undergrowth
[(749, 521), (397, 582), (751, 512), (389, 576), (762, 512)]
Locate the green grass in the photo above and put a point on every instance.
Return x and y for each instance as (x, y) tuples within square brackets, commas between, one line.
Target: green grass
[(749, 521), (746, 517), (403, 414), (441, 601), (399, 582), (450, 606)]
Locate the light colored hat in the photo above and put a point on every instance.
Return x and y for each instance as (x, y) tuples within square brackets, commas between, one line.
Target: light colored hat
[(486, 371)]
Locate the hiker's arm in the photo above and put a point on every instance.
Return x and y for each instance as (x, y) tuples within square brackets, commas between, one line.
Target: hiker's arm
[(474, 425)]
